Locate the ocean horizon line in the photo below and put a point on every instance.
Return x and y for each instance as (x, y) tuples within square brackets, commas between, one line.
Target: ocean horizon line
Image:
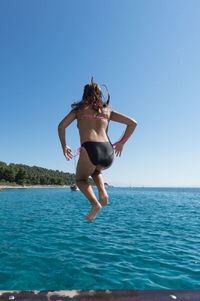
[(109, 186)]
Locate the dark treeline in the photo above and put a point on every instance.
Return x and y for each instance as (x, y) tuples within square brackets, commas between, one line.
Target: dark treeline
[(22, 174)]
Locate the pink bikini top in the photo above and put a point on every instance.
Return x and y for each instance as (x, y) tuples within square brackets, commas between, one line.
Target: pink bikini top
[(92, 116)]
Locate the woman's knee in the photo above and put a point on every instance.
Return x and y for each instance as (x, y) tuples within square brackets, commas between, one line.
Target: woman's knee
[(96, 172), (77, 180)]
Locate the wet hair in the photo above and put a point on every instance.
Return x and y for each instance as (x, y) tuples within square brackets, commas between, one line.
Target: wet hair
[(92, 95)]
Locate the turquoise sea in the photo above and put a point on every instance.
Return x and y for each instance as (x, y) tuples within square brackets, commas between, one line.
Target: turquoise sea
[(146, 238)]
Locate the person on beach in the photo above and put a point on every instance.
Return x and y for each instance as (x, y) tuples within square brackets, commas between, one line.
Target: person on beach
[(96, 152)]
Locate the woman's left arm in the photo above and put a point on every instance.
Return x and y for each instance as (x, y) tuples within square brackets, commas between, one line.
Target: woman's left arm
[(61, 131)]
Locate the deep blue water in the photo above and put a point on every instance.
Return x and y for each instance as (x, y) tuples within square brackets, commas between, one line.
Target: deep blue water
[(146, 238)]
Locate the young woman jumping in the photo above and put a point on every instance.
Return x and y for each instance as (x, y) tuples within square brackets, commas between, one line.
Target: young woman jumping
[(96, 152)]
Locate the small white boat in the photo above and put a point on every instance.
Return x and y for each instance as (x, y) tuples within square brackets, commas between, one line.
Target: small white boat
[(74, 187)]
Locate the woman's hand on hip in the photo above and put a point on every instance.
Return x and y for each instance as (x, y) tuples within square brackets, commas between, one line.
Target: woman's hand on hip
[(67, 152), (118, 149)]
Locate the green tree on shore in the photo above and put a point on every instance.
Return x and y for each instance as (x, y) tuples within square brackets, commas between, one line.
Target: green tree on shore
[(9, 174), (21, 176)]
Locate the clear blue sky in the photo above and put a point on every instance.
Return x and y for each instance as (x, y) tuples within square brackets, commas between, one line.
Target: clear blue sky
[(148, 55)]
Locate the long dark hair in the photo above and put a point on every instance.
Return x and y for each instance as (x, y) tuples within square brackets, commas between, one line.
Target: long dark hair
[(92, 95)]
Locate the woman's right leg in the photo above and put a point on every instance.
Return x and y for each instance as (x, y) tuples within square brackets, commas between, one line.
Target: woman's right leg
[(98, 179)]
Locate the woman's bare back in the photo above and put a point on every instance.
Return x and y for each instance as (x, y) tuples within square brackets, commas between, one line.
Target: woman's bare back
[(93, 126)]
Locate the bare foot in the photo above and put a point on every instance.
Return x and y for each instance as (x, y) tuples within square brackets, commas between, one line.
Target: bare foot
[(92, 215), (103, 198)]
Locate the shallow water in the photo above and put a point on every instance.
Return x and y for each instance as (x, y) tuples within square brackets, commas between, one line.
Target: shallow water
[(146, 238)]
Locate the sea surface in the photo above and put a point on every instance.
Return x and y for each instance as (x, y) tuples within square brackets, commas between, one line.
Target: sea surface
[(146, 238)]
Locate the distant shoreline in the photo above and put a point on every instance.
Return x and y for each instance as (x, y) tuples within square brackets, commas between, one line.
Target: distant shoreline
[(33, 186), (38, 186)]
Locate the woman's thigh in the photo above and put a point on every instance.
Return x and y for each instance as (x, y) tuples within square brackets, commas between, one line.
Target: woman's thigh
[(84, 168)]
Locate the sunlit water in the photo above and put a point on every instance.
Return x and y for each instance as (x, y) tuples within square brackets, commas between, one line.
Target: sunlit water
[(146, 238)]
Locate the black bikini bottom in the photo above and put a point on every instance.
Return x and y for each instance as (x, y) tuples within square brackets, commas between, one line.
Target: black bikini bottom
[(100, 153)]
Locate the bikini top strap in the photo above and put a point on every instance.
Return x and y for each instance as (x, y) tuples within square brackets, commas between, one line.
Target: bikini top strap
[(92, 116)]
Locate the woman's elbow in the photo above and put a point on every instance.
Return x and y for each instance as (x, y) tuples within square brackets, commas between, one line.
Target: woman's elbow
[(133, 122), (60, 126)]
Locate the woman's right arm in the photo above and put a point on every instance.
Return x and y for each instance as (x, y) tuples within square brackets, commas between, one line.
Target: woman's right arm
[(61, 132), (131, 125)]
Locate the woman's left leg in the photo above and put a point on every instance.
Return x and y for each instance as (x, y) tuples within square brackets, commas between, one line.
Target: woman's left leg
[(98, 179), (83, 170)]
